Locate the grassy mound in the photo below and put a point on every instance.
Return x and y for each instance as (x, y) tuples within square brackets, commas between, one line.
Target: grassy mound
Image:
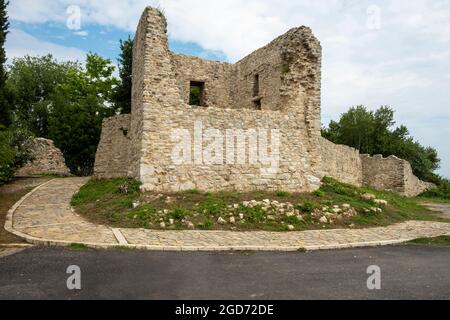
[(119, 203)]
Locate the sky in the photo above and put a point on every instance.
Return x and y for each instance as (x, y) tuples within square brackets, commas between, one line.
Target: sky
[(377, 52)]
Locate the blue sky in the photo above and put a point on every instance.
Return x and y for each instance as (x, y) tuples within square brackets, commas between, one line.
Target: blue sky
[(378, 52)]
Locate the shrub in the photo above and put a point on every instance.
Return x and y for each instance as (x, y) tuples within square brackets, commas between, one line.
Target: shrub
[(14, 152), (441, 191), (319, 193), (178, 214), (307, 207)]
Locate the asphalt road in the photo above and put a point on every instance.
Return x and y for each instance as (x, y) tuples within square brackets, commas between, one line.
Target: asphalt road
[(407, 272)]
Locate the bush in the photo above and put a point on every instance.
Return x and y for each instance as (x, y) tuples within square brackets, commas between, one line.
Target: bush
[(7, 155), (307, 207), (441, 191), (14, 152)]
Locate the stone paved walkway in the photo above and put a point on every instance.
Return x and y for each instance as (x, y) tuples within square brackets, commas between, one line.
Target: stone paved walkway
[(45, 217)]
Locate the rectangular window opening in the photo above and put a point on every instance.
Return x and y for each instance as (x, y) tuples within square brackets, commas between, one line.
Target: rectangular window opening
[(196, 93), (256, 86), (256, 97)]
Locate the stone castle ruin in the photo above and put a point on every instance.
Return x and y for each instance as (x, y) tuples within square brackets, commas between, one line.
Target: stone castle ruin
[(252, 125)]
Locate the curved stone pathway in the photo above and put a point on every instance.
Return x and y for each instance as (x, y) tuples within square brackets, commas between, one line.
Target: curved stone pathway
[(44, 216)]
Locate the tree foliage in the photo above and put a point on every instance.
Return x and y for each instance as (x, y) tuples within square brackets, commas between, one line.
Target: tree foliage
[(5, 94), (374, 132), (79, 107), (122, 94), (34, 81)]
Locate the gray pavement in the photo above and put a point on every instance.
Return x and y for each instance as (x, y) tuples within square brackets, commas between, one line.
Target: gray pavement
[(407, 272)]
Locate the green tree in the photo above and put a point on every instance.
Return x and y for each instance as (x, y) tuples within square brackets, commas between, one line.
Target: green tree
[(15, 146), (80, 105), (374, 133), (5, 94), (33, 81), (122, 94)]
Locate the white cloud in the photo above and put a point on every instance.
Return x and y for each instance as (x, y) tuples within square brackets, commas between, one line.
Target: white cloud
[(20, 43), (81, 33)]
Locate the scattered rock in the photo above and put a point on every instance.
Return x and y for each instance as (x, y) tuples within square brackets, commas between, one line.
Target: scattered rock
[(380, 202), (136, 204), (221, 221), (169, 200), (346, 206), (323, 220), (171, 222), (270, 218), (162, 224), (291, 227), (232, 220), (368, 196), (241, 216), (190, 225)]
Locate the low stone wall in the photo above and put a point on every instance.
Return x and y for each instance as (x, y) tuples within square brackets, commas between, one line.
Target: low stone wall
[(112, 158), (340, 162), (47, 160), (413, 185), (392, 174)]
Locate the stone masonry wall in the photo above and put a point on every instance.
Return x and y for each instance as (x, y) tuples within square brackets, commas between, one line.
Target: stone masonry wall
[(47, 160), (112, 157), (341, 162), (391, 174), (163, 128), (413, 185), (160, 104), (216, 76)]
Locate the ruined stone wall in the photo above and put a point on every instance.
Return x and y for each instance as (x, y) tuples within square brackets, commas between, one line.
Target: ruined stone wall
[(289, 73), (113, 153), (413, 185), (159, 103), (293, 171), (391, 174), (216, 76), (47, 160), (340, 162)]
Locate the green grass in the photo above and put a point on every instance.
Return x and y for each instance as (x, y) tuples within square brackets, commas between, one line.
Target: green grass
[(439, 241), (111, 202), (77, 247)]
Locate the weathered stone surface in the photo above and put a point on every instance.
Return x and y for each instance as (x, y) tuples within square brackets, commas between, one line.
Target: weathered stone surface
[(112, 157), (277, 87), (392, 174), (47, 160)]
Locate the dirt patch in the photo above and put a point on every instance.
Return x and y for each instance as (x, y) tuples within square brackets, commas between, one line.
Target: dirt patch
[(9, 195)]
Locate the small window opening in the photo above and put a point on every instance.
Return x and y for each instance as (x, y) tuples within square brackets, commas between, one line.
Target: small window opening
[(256, 98), (196, 92), (256, 86)]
